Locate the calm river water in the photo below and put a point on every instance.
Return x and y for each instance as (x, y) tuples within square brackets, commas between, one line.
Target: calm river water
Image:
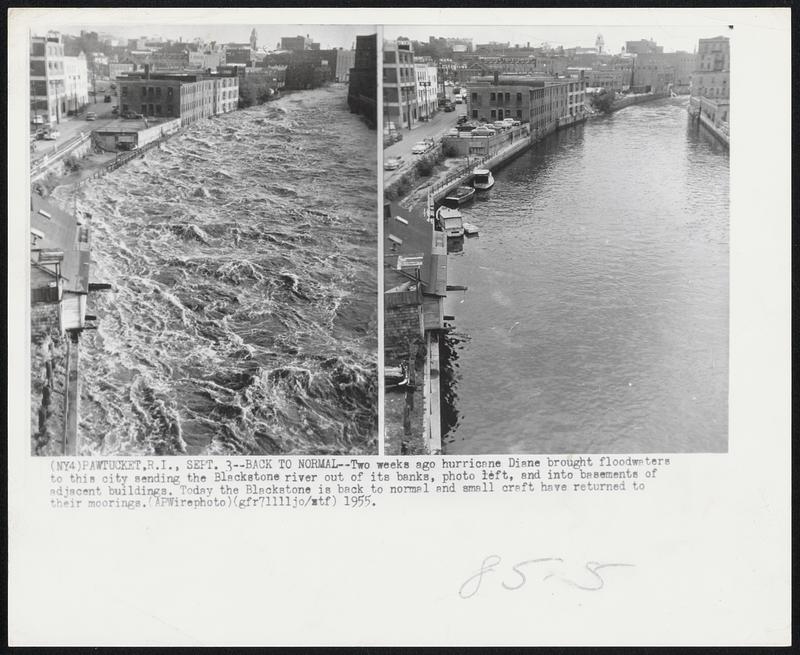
[(596, 318)]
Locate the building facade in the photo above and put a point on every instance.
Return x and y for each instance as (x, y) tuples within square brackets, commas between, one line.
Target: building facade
[(189, 97), (427, 89), (362, 91), (120, 68), (345, 60), (654, 70), (399, 84), (76, 83), (540, 102), (710, 89), (47, 86), (297, 43), (643, 47)]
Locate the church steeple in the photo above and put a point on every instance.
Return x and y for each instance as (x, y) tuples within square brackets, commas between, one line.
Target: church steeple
[(253, 39)]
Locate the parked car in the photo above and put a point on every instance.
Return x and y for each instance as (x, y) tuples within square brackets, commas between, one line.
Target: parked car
[(449, 108), (131, 114), (115, 110), (509, 122), (461, 120), (52, 135), (498, 125), (38, 120), (107, 99), (393, 163), (466, 127), (453, 131), (483, 131), (91, 116), (421, 147)]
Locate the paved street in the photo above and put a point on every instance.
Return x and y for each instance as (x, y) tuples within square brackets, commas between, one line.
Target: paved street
[(441, 122), (71, 126)]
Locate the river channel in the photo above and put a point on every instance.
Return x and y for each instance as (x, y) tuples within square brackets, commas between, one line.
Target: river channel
[(596, 315), (242, 315)]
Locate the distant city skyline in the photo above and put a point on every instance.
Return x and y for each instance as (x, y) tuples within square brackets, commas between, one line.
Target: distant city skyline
[(672, 38), (328, 36)]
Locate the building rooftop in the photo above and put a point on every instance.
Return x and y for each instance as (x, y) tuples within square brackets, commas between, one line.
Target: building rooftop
[(62, 232), (410, 235), (132, 124)]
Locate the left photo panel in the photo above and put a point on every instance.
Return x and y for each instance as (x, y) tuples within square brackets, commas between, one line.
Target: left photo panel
[(203, 239)]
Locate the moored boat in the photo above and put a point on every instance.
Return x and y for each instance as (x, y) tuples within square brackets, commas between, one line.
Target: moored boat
[(461, 195), (483, 180), (450, 221)]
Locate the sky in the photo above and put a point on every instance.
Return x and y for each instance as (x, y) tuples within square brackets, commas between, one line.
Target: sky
[(328, 36), (673, 38), (675, 29)]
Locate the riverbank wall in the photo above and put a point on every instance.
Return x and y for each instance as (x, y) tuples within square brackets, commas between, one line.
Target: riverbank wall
[(721, 136)]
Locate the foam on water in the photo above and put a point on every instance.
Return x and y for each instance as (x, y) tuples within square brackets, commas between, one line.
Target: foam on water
[(232, 252)]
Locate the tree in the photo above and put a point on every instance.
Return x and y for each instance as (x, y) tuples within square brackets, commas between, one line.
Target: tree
[(603, 101)]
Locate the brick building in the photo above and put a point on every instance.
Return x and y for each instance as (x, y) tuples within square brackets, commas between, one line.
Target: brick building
[(539, 101), (188, 96)]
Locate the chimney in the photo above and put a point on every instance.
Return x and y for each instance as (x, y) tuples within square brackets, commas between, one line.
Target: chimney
[(147, 71), (496, 78)]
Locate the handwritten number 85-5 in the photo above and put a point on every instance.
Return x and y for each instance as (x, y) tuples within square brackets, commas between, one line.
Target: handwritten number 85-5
[(517, 579)]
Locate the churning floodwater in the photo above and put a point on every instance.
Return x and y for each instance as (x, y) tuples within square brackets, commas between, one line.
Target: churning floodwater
[(596, 316), (242, 319)]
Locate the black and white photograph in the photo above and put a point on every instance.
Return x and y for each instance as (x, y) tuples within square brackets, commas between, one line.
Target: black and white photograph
[(203, 239), (556, 239)]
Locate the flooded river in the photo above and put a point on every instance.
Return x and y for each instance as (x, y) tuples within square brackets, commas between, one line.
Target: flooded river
[(242, 318), (596, 318)]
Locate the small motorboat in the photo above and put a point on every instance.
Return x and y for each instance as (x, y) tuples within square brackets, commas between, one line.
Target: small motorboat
[(483, 180), (470, 230), (461, 195), (450, 221)]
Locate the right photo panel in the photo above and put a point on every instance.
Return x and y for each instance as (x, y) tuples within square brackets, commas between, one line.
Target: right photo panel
[(556, 239)]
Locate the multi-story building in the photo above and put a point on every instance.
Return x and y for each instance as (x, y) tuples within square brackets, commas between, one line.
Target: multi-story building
[(539, 101), (239, 55), (201, 60), (345, 60), (120, 68), (169, 59), (603, 77), (362, 92), (188, 96), (297, 43), (685, 64), (47, 89), (399, 84), (710, 88), (99, 61), (643, 47), (427, 88), (76, 83), (654, 70)]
